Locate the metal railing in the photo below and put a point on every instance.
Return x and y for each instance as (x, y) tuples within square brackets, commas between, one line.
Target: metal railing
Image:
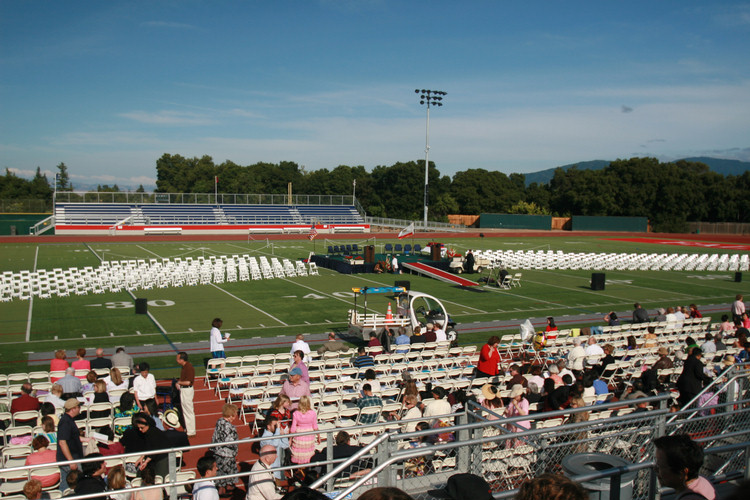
[(418, 225), (202, 198)]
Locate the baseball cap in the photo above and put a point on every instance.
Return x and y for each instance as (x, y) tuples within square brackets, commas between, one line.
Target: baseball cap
[(71, 403)]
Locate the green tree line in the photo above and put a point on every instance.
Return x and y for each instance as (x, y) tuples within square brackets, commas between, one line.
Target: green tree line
[(668, 194)]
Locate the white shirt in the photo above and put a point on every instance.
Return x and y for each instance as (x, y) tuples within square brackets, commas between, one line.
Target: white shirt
[(708, 346), (594, 351), (576, 357), (145, 388), (394, 263), (205, 490), (679, 317), (413, 413), (217, 341), (566, 371), (440, 335), (262, 485), (300, 345), (437, 407)]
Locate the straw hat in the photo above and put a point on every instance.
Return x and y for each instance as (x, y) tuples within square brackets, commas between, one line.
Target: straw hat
[(489, 391)]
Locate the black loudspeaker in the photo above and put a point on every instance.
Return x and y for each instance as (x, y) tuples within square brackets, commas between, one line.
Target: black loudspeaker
[(370, 254), (738, 277), (141, 306), (597, 281), (405, 284), (435, 252)]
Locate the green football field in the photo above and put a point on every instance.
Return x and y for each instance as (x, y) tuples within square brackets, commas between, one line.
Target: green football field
[(316, 304)]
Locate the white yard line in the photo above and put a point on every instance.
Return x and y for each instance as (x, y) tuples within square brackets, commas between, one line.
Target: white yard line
[(149, 251), (249, 304), (31, 300)]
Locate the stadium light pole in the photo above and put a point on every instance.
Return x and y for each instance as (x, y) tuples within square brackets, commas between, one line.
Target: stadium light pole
[(430, 98)]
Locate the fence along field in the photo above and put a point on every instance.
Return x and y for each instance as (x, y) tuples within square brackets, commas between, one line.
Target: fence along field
[(315, 304)]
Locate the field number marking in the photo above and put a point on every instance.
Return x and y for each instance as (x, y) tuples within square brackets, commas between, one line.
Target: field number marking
[(127, 305)]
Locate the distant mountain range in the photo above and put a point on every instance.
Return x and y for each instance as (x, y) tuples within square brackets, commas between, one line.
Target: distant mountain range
[(718, 165)]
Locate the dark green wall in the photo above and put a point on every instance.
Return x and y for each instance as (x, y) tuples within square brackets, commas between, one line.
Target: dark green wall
[(22, 222)]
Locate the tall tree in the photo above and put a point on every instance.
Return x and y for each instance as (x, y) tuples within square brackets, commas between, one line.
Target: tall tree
[(63, 180)]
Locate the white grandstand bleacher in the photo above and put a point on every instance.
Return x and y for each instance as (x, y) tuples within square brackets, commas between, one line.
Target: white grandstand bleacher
[(197, 218)]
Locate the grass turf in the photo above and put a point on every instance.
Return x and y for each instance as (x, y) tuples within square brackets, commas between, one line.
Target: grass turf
[(316, 304)]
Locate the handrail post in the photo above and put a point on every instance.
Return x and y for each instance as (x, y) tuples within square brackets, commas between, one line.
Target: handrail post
[(172, 474)]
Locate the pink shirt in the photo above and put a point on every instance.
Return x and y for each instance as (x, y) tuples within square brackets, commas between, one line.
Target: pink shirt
[(703, 486), (57, 365), (304, 421), (44, 457), (81, 364), (511, 411)]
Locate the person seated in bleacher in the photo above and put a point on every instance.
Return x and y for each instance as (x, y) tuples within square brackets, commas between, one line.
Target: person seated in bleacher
[(611, 319), (664, 362), (376, 347), (88, 385), (295, 387), (640, 315), (115, 382), (54, 396), (437, 406), (71, 384), (402, 339), (372, 379), (709, 346), (332, 345), (49, 428), (694, 312), (127, 408), (100, 361), (726, 328), (58, 364), (298, 361), (577, 355), (43, 455), (81, 363), (26, 401), (515, 377), (719, 343), (362, 360)]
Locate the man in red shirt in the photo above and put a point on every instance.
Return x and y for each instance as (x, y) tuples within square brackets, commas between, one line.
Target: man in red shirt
[(25, 401)]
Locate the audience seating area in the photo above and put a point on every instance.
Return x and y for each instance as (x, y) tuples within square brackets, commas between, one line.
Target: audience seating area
[(254, 381)]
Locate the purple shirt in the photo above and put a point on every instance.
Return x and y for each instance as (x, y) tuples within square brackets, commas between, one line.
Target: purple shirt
[(295, 391)]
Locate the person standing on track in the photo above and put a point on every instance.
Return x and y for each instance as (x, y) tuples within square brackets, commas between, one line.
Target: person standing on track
[(187, 392), (217, 339)]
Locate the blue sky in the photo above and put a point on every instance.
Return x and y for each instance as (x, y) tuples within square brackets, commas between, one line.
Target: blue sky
[(109, 86)]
